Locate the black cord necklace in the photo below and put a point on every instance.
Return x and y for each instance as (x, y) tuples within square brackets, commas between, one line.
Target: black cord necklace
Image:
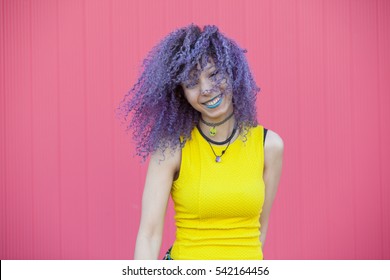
[(218, 158), (213, 130), (215, 142)]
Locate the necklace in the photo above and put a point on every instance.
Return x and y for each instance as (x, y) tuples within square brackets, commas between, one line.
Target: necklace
[(218, 158), (213, 130), (215, 142)]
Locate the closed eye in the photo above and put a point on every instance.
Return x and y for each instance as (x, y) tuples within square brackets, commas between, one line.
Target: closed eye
[(191, 85), (213, 74)]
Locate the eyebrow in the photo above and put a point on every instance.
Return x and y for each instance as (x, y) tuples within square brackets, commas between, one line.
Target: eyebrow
[(205, 69), (210, 67)]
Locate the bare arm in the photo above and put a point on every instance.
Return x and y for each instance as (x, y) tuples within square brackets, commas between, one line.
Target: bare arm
[(273, 157), (158, 184)]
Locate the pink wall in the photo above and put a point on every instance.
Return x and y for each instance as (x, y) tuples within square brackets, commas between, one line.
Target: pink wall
[(69, 185)]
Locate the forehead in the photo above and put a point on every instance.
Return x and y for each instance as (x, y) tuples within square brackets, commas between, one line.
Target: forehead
[(196, 72), (210, 64)]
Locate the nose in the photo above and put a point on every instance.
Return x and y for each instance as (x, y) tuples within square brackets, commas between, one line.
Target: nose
[(206, 91), (205, 84)]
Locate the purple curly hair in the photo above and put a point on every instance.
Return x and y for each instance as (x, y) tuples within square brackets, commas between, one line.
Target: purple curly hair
[(160, 112)]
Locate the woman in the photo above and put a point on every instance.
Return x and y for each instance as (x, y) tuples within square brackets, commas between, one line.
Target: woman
[(193, 110)]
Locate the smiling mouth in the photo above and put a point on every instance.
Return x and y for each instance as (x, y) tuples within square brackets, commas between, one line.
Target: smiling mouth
[(213, 101)]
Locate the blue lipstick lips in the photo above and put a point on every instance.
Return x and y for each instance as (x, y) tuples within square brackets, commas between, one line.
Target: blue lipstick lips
[(216, 104)]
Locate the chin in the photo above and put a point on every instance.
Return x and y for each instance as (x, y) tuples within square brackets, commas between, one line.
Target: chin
[(220, 113)]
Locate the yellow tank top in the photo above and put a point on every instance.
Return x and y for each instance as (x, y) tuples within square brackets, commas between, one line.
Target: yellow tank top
[(218, 205)]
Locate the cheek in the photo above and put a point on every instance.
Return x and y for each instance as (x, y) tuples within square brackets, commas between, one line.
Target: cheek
[(191, 97), (226, 91), (187, 95), (223, 86)]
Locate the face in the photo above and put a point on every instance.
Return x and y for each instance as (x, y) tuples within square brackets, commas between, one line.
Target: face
[(212, 99)]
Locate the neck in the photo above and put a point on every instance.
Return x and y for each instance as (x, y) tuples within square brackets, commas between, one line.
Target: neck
[(223, 131)]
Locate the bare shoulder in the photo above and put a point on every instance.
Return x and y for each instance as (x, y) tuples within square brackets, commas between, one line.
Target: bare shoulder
[(273, 147), (166, 161)]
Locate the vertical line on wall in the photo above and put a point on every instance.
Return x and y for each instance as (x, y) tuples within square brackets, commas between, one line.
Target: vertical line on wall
[(326, 132), (353, 167), (271, 50), (112, 134), (298, 104), (379, 113), (13, 249), (4, 251), (140, 54), (59, 130), (31, 137), (280, 252), (85, 124)]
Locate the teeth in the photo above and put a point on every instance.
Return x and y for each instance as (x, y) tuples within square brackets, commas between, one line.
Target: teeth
[(213, 102)]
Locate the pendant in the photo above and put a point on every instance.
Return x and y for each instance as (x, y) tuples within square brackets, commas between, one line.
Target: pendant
[(213, 131), (218, 159)]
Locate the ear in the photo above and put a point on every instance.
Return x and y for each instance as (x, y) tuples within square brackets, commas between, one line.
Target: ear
[(179, 93)]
